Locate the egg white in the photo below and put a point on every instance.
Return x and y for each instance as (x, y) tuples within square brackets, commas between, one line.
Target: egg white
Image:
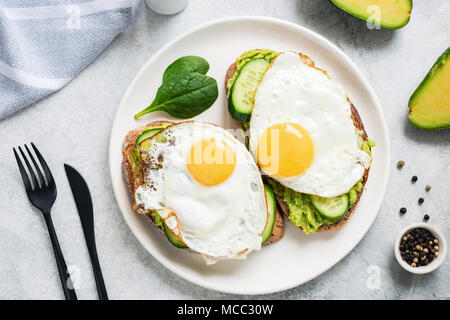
[(223, 221), (292, 91)]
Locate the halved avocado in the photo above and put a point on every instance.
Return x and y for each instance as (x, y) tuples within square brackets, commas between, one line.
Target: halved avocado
[(393, 14), (429, 105)]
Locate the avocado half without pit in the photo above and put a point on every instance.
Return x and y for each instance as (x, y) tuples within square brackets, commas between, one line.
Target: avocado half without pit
[(429, 105), (389, 14)]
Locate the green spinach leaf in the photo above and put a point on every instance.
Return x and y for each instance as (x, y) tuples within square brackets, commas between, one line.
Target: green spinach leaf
[(186, 64), (184, 96)]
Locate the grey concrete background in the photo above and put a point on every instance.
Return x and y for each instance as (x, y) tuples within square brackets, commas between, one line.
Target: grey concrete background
[(73, 126)]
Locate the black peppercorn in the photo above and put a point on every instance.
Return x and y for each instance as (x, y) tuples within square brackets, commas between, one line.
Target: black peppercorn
[(403, 210), (419, 247), (426, 217), (421, 200), (414, 179)]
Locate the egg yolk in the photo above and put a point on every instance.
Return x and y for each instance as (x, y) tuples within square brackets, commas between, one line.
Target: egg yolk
[(285, 150), (211, 162)]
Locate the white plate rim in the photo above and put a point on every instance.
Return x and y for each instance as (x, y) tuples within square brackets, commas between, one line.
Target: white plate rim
[(300, 29)]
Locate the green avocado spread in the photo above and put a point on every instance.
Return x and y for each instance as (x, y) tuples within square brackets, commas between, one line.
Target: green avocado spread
[(301, 211), (157, 218)]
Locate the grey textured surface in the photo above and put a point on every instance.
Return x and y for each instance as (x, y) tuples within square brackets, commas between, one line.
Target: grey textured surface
[(73, 126)]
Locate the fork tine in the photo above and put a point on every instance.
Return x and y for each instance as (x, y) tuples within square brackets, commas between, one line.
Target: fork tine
[(48, 173), (30, 170), (38, 170), (23, 173)]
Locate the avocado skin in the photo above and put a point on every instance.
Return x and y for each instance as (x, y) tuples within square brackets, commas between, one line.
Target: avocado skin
[(440, 62), (340, 5)]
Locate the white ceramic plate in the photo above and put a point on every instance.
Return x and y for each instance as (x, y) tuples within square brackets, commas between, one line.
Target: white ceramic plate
[(297, 258)]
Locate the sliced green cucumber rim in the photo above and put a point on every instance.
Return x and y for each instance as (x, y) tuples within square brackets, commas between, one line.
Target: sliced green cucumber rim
[(159, 127), (317, 206), (173, 239), (271, 214), (238, 113)]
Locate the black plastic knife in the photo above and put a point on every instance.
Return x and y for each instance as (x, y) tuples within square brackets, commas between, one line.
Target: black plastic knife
[(83, 201)]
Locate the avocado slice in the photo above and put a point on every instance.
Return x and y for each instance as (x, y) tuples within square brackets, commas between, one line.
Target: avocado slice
[(394, 14), (429, 105)]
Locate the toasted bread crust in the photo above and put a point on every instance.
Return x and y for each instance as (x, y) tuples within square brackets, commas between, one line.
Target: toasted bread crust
[(230, 72), (358, 124), (134, 180)]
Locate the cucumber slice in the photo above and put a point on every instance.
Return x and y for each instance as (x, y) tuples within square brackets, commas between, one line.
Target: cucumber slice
[(173, 239), (332, 208), (147, 134), (240, 102), (271, 212), (150, 131)]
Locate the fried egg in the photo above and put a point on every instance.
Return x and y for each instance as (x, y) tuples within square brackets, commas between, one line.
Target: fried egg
[(301, 130), (207, 188)]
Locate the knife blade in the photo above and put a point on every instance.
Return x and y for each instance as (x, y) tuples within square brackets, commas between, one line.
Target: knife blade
[(83, 201)]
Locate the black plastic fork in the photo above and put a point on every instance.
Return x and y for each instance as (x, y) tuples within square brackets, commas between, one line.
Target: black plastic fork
[(42, 194)]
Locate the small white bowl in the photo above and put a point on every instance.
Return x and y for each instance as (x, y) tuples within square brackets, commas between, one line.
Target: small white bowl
[(432, 265)]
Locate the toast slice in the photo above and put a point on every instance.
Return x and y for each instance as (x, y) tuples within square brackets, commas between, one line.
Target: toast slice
[(135, 178), (358, 124)]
